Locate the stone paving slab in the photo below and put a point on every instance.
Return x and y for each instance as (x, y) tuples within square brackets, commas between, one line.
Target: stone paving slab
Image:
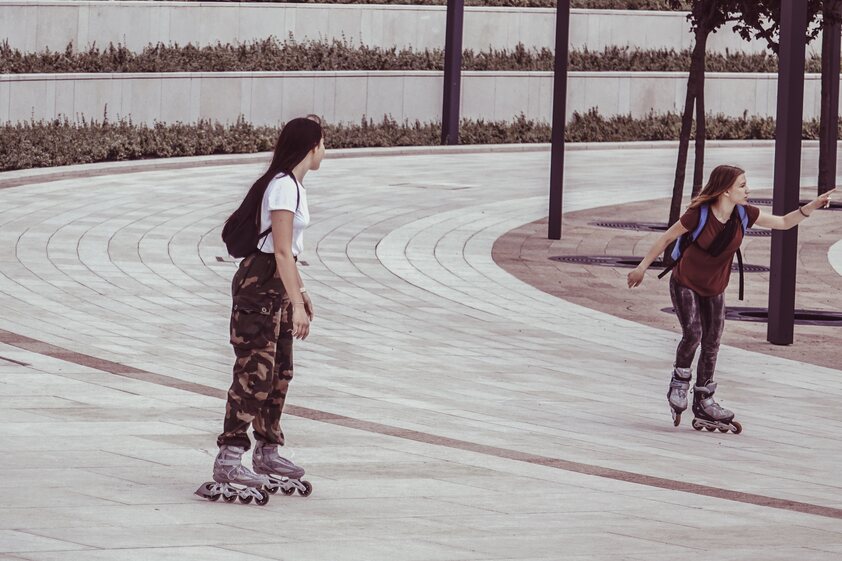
[(443, 408)]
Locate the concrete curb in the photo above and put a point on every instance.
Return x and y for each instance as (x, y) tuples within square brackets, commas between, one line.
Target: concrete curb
[(42, 175)]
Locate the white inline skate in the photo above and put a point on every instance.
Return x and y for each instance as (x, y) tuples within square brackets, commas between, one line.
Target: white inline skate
[(709, 414), (232, 480), (283, 474), (677, 393)]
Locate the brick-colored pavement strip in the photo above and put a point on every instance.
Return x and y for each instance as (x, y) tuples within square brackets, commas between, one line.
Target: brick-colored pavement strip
[(525, 252), (443, 409)]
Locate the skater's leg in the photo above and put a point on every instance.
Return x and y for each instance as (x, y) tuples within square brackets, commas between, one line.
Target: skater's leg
[(284, 475), (267, 424), (249, 390), (710, 414), (686, 305), (677, 392), (712, 315), (255, 323)]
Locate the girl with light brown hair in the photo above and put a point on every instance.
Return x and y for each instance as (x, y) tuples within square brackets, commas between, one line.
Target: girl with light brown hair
[(711, 231)]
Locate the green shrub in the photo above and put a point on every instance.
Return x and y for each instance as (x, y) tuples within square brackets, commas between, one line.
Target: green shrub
[(592, 4), (60, 142), (273, 55)]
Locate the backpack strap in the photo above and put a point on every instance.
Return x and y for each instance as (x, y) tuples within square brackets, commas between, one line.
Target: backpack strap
[(297, 194), (741, 211), (744, 224), (704, 210)]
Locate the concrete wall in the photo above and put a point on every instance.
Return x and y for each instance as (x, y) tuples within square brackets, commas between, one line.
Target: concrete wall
[(269, 97), (36, 25)]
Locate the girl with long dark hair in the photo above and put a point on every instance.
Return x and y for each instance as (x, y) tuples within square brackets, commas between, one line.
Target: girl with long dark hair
[(717, 218), (270, 308)]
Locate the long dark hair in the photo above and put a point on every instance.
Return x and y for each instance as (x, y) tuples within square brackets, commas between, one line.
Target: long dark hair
[(721, 179), (297, 138)]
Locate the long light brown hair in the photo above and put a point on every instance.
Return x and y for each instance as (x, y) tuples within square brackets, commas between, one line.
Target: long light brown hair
[(721, 179)]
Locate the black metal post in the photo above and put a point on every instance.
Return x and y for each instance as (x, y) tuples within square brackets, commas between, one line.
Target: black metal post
[(829, 134), (562, 40), (452, 72), (787, 169)]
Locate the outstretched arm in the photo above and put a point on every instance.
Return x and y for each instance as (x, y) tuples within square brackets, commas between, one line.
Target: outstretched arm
[(795, 217), (636, 276)]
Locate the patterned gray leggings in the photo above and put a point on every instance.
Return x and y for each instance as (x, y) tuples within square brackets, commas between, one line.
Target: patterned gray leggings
[(702, 321)]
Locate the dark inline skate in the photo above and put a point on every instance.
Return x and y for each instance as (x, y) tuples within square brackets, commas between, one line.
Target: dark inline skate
[(232, 480), (709, 414), (677, 393), (282, 473)]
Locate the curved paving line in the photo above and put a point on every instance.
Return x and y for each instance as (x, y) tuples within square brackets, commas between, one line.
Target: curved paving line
[(47, 349)]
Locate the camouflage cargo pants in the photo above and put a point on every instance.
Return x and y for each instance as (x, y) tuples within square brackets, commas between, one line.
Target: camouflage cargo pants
[(261, 333)]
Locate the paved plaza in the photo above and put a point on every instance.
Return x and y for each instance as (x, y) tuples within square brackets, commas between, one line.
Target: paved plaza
[(444, 408)]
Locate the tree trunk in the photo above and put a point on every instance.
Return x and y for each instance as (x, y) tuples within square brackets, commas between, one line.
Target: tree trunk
[(829, 123), (699, 162), (696, 69)]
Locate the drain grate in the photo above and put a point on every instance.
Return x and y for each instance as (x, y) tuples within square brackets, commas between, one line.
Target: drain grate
[(441, 186), (760, 201), (768, 202), (632, 262), (761, 315), (662, 227)]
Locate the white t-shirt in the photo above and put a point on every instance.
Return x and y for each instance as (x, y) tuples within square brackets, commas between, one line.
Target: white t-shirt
[(281, 195)]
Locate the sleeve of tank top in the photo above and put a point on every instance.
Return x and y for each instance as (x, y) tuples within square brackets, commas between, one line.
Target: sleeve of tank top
[(690, 219), (283, 194), (753, 213)]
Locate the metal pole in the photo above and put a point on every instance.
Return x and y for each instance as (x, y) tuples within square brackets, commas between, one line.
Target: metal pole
[(829, 134), (562, 40), (787, 169), (452, 72)]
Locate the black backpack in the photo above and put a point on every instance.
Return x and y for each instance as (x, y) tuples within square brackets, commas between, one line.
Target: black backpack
[(240, 232)]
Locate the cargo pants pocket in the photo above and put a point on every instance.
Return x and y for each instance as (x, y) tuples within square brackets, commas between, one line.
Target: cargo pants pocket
[(253, 324)]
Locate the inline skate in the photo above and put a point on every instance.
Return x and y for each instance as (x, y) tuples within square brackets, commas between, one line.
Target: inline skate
[(677, 393), (708, 414), (232, 480), (282, 473)]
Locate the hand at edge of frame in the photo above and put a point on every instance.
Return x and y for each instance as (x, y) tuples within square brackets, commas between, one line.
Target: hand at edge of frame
[(300, 322), (822, 201), (308, 305), (635, 277)]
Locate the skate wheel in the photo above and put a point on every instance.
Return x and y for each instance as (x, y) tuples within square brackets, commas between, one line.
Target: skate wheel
[(213, 498), (229, 499), (737, 428), (289, 491), (271, 490), (696, 425), (723, 430), (711, 429), (676, 419), (245, 500), (263, 499), (308, 488)]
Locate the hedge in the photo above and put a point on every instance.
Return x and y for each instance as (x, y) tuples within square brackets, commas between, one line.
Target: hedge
[(663, 5), (60, 142), (273, 55)]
